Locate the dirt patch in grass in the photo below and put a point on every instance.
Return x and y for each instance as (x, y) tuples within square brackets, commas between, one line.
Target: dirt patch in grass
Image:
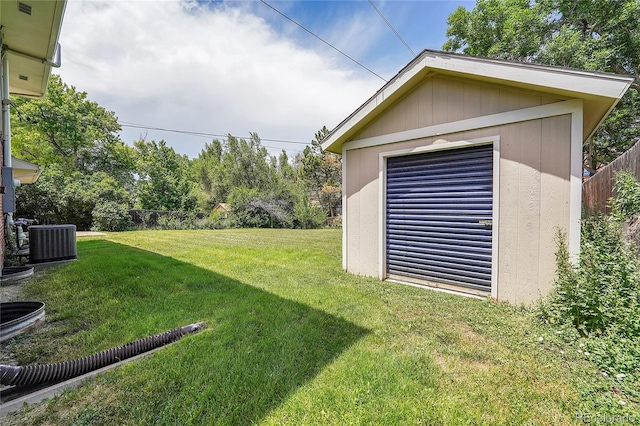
[(11, 293), (450, 364)]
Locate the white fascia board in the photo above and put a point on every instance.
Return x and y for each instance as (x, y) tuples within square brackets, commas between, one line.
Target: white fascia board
[(56, 27), (345, 222), (567, 82), (575, 188), (376, 103), (536, 77)]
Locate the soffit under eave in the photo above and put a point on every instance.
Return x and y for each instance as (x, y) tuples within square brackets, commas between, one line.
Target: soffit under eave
[(34, 35), (25, 171), (37, 74)]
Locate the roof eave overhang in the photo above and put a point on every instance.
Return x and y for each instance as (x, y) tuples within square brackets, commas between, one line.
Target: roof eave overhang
[(599, 91), (30, 43), (24, 171)]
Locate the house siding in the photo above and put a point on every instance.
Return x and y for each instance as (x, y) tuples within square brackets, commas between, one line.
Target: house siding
[(537, 118), (443, 99), (534, 179)]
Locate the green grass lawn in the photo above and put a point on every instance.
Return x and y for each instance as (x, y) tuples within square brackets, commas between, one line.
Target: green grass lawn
[(290, 339)]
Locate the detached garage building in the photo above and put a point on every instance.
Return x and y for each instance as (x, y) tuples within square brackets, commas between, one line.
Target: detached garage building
[(457, 173)]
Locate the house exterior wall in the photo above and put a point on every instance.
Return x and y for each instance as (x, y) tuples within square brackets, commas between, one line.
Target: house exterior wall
[(443, 99), (534, 173)]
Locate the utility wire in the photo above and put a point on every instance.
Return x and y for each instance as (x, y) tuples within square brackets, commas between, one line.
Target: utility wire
[(392, 29), (188, 132), (322, 40)]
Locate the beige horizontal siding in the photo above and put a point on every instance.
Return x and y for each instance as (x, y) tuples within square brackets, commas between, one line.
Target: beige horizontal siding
[(534, 190)]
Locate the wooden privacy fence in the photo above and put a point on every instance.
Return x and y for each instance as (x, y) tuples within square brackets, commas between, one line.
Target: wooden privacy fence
[(597, 190)]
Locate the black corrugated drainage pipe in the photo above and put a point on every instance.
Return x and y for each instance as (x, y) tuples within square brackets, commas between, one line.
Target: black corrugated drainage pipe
[(39, 374)]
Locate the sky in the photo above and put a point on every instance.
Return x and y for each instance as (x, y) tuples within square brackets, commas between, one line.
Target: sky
[(230, 67)]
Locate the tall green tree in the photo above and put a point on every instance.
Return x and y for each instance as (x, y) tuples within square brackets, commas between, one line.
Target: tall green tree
[(322, 172), (263, 190), (207, 171), (69, 131), (596, 35), (258, 194), (164, 181), (245, 163), (236, 162), (77, 141)]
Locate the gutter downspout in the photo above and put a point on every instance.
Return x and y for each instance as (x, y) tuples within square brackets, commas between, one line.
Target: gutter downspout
[(6, 139), (6, 117)]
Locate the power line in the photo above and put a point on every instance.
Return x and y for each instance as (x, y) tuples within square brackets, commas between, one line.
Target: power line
[(392, 29), (322, 40), (203, 134), (210, 135)]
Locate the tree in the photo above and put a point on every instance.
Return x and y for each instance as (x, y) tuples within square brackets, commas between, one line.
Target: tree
[(69, 131), (163, 177), (223, 166), (597, 35), (263, 190), (284, 168), (86, 163), (245, 163), (207, 172), (322, 172), (60, 197)]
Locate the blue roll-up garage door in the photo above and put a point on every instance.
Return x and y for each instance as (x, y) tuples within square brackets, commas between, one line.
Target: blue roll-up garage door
[(439, 212)]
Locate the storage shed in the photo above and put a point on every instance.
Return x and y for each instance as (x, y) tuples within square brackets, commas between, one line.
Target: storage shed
[(458, 172)]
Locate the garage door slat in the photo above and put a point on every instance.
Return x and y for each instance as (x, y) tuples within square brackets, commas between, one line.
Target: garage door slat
[(438, 207), (398, 255)]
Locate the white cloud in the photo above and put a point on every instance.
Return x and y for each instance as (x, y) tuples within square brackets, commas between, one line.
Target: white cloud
[(358, 34), (219, 70)]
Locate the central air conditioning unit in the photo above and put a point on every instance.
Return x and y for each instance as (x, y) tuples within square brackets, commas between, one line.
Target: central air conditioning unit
[(52, 243)]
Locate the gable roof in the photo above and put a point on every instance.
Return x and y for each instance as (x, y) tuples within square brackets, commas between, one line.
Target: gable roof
[(30, 32), (223, 206), (600, 92)]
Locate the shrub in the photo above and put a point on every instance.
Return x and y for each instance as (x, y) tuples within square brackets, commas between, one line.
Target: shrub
[(170, 220), (600, 297), (216, 220), (308, 216), (252, 209), (627, 193), (147, 219), (111, 216), (335, 222), (68, 198)]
